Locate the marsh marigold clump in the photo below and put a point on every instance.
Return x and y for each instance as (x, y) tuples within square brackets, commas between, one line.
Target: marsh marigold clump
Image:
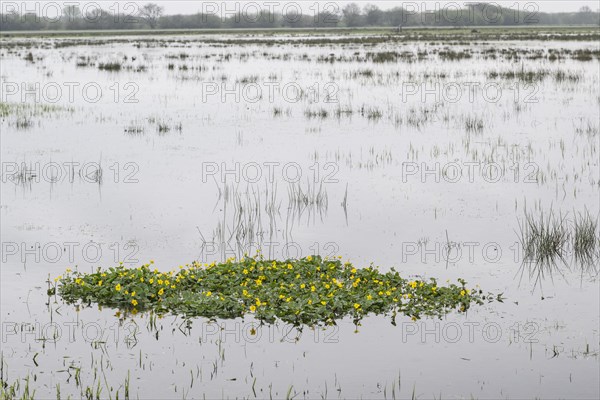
[(311, 291)]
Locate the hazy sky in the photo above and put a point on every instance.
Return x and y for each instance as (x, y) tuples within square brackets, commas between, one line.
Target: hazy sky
[(193, 6), (549, 6)]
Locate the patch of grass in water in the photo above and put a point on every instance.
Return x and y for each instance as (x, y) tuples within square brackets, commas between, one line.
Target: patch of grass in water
[(310, 291), (320, 113), (24, 115), (110, 66), (383, 57), (23, 122), (544, 239), (134, 130), (18, 109), (586, 240), (583, 55), (550, 241)]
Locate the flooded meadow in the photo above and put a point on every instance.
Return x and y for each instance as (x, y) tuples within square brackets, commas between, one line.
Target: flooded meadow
[(453, 156)]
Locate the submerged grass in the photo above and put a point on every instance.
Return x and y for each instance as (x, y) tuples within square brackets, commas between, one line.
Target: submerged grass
[(310, 291)]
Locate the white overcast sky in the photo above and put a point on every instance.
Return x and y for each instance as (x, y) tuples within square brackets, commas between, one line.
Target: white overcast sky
[(194, 6), (185, 7)]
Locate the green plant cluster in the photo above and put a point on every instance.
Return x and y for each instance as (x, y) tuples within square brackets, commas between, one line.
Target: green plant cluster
[(308, 291)]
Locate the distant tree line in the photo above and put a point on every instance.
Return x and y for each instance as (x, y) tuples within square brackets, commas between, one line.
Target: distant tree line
[(151, 16)]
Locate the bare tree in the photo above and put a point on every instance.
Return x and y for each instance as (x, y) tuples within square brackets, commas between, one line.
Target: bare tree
[(373, 15), (352, 15), (72, 12), (151, 13)]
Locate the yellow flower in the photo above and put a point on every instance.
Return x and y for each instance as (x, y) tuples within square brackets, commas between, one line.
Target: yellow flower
[(413, 284), (118, 287), (161, 292), (309, 301), (309, 258), (323, 302), (208, 294), (302, 286), (245, 272), (133, 294), (312, 288), (462, 292), (353, 270), (369, 297), (151, 281), (100, 283), (252, 308), (134, 302), (356, 306)]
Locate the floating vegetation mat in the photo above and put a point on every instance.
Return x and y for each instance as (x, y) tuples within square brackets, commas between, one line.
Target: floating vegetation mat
[(309, 291)]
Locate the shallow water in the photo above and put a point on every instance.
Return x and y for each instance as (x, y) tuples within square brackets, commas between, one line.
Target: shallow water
[(380, 142)]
